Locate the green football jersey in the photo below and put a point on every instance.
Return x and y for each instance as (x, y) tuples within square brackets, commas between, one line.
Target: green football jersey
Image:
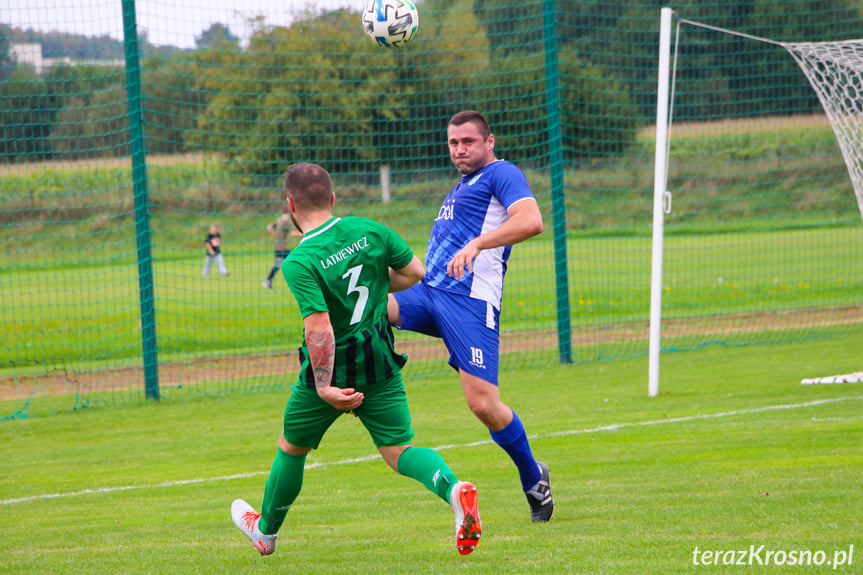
[(342, 268)]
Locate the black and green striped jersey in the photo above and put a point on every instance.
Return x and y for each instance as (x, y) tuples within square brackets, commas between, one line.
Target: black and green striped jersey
[(342, 268)]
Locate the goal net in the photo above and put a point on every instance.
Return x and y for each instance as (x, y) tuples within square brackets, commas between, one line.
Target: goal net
[(754, 145), (835, 72)]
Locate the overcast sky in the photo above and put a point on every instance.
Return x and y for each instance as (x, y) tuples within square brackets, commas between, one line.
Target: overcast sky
[(167, 22)]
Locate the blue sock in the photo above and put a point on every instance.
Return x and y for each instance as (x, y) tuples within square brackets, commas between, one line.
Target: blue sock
[(513, 440)]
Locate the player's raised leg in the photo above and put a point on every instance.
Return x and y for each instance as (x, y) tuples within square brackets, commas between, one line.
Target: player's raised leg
[(428, 468)]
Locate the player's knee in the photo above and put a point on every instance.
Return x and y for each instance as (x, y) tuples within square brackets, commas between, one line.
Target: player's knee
[(288, 447), (482, 408), (392, 453), (488, 408)]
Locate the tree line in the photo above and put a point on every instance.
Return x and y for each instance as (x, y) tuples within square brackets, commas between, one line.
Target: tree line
[(319, 91)]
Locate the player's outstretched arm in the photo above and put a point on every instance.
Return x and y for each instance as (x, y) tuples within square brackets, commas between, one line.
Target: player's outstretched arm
[(407, 276), (321, 342)]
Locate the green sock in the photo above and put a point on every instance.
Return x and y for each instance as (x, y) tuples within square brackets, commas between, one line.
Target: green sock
[(429, 468), (283, 487)]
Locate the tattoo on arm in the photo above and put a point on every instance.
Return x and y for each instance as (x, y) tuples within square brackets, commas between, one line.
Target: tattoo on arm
[(322, 353)]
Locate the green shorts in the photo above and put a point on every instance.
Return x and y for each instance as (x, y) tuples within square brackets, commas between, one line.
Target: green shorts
[(384, 413)]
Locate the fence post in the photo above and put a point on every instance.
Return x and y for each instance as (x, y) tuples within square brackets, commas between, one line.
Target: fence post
[(555, 153), (142, 220)]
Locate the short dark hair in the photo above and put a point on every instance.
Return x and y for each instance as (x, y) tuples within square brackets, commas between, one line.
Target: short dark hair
[(309, 185), (473, 117)]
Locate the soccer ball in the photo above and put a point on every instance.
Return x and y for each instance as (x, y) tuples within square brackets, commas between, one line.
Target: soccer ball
[(391, 23)]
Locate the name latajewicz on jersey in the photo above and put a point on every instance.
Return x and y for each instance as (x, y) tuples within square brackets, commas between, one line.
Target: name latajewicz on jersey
[(342, 268), (476, 205)]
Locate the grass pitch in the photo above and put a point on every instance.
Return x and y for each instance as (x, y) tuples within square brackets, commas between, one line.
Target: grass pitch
[(733, 453)]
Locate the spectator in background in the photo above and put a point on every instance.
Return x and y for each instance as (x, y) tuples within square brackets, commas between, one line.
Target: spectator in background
[(281, 230), (214, 252)]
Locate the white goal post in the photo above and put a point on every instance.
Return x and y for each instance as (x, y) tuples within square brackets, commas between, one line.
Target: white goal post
[(660, 181), (835, 72)]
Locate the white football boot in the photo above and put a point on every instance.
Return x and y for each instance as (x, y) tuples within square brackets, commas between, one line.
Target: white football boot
[(247, 520)]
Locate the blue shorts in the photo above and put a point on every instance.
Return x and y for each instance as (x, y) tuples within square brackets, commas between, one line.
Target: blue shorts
[(469, 327)]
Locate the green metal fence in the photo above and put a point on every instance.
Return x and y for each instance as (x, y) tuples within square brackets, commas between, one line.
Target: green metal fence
[(129, 128)]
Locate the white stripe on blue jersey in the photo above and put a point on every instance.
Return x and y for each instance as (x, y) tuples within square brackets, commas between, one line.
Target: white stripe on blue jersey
[(476, 205)]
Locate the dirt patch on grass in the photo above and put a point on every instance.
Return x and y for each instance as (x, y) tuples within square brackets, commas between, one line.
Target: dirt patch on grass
[(57, 379)]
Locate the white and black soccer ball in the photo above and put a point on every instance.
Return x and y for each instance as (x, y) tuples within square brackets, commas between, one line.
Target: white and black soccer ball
[(391, 23)]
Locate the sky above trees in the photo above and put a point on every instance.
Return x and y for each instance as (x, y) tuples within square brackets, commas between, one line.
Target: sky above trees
[(166, 22)]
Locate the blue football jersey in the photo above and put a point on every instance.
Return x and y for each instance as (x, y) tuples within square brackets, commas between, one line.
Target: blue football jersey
[(476, 205)]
